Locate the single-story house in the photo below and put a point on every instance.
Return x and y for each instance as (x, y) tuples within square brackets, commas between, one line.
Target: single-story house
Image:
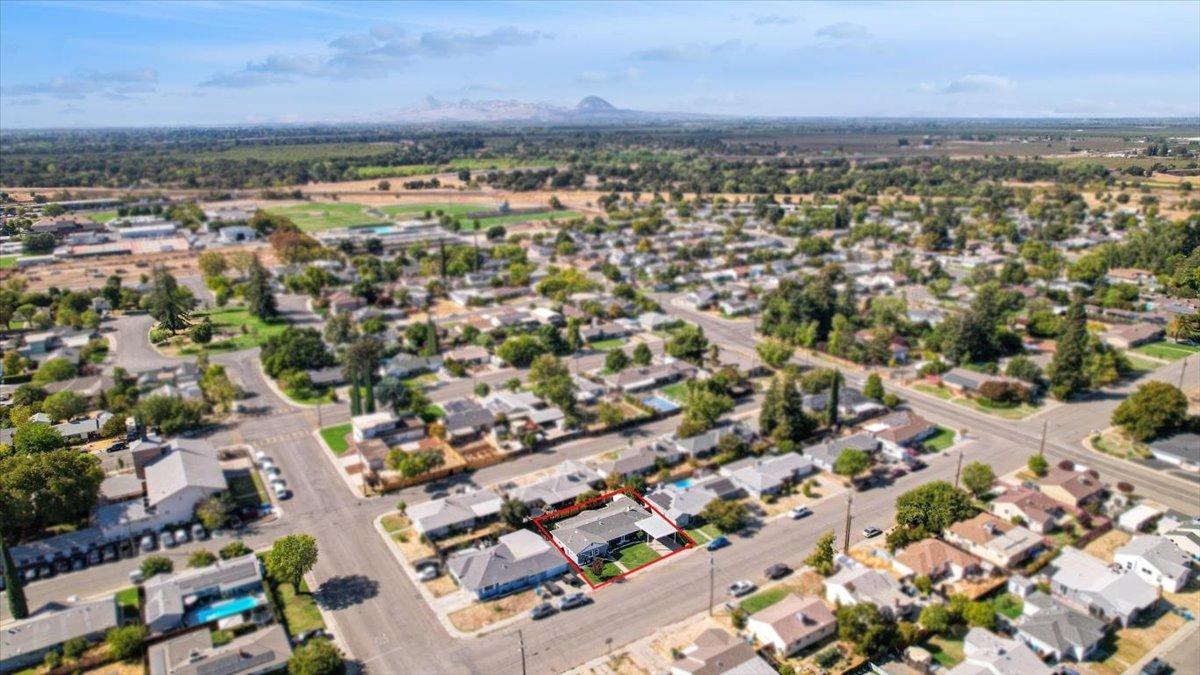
[(639, 461), (768, 476), (1037, 511), (648, 377), (407, 365), (569, 480), (183, 477), (1181, 450), (519, 560), (193, 653), (824, 454), (1090, 585), (684, 503), (597, 533), (700, 445), (469, 355), (995, 540), (1157, 560), (985, 653), (439, 517), (1139, 518), (715, 652), (937, 560), (1187, 538), (465, 418), (792, 624), (853, 584), (967, 381), (172, 600), (1057, 632), (1128, 336), (900, 431), (24, 643), (1073, 488), (852, 405)]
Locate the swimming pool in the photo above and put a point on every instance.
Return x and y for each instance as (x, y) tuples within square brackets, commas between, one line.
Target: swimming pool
[(220, 610), (660, 404), (683, 483)]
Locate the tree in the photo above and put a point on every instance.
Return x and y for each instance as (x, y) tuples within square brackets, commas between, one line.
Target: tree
[(213, 513), (295, 349), (1067, 376), (616, 361), (575, 338), (43, 489), (202, 333), (155, 565), (703, 408), (782, 417), (260, 299), (688, 343), (728, 516), (979, 614), (831, 407), (18, 606), (1154, 409), (870, 630), (935, 618), (851, 462), (318, 656), (873, 389), (170, 414), (821, 558), (550, 379), (64, 405), (35, 437), (1023, 368), (234, 549), (1038, 465), (642, 355), (169, 303), (212, 264), (978, 477), (291, 557), (931, 508), (125, 642), (514, 512), (219, 391), (54, 370), (775, 353), (202, 558), (519, 351)]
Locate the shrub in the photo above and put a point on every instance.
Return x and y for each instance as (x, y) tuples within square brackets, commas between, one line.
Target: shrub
[(156, 564), (74, 648), (52, 659), (125, 642), (1125, 487)]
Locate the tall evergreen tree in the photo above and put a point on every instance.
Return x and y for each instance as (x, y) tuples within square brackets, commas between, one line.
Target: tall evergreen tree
[(1067, 376), (431, 346), (355, 398), (169, 304), (17, 604), (442, 258), (831, 410), (369, 392), (260, 300)]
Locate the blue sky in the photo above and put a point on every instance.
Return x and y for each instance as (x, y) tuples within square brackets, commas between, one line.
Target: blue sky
[(96, 63)]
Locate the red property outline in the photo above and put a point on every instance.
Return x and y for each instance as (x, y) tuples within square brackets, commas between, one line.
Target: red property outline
[(571, 510)]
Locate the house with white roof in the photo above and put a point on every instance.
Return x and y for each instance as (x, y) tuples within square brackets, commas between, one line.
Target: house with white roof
[(985, 653), (440, 517), (1157, 560), (180, 479), (792, 624), (768, 476), (519, 560), (1090, 585)]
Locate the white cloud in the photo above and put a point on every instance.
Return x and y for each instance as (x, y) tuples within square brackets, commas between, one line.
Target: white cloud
[(120, 84), (598, 77), (774, 20), (844, 30), (968, 84), (693, 52)]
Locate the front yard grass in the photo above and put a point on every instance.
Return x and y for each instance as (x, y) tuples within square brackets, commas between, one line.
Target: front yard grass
[(1114, 442), (606, 345), (637, 555), (336, 437), (299, 610), (933, 390), (704, 534), (941, 440), (763, 599), (320, 395), (610, 570), (948, 652), (1168, 351)]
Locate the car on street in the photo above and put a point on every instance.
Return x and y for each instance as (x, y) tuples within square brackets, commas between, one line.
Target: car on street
[(871, 531), (541, 611), (1156, 666), (573, 600), (310, 634), (777, 571), (800, 512), (897, 472), (135, 577), (261, 457), (739, 588), (718, 543)]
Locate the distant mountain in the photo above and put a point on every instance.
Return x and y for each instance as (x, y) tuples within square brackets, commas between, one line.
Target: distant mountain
[(590, 110)]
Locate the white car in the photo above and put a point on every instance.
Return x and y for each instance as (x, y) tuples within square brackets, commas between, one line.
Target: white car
[(427, 573), (800, 512), (740, 588), (261, 457), (281, 492), (167, 539)]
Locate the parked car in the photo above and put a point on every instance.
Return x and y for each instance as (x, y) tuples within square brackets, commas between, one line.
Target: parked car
[(199, 533), (541, 611), (261, 457), (718, 543), (800, 512), (739, 588), (1156, 666), (553, 588), (167, 539), (147, 543), (135, 577), (916, 464), (871, 531), (777, 571), (181, 536), (273, 472), (573, 580), (310, 634), (897, 472), (573, 600), (281, 492), (427, 572)]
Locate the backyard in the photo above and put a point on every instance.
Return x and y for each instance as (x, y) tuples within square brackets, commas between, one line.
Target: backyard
[(314, 217), (606, 345)]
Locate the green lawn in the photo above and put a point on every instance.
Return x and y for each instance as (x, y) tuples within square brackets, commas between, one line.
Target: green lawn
[(102, 216), (1141, 365), (7, 261), (943, 439), (940, 392), (763, 599), (335, 438), (432, 412), (637, 555), (418, 210), (513, 219), (1009, 605), (129, 603), (312, 397), (236, 329), (1008, 412), (703, 535), (247, 489), (606, 345), (946, 651), (300, 613), (397, 171), (676, 392), (610, 570), (1169, 351), (326, 215)]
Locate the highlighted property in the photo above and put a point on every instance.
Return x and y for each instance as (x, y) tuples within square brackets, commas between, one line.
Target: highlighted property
[(613, 535)]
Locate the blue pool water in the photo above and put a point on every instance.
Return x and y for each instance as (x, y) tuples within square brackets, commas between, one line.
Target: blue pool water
[(683, 483), (220, 610)]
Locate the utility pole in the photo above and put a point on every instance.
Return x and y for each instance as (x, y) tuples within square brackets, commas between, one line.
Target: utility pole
[(712, 572), (521, 638), (1042, 445), (958, 470), (1181, 372), (846, 540)]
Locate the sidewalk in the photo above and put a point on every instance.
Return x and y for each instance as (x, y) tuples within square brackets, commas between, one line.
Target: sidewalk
[(1177, 638)]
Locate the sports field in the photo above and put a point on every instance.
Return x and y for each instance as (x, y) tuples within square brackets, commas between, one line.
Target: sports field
[(326, 215)]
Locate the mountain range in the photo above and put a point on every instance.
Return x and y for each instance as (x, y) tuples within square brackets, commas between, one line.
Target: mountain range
[(590, 110)]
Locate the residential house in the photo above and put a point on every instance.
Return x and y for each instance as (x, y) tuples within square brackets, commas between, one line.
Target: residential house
[(182, 478), (969, 382), (985, 653), (343, 301), (1187, 538), (937, 560), (853, 584), (1035, 510), (639, 461), (655, 320), (519, 560), (700, 445), (715, 652), (438, 518), (522, 406), (792, 624), (181, 598), (1055, 631), (823, 455), (1090, 585), (1157, 560), (1128, 336), (1181, 450), (1139, 518), (24, 642), (598, 533), (569, 480), (1073, 488), (683, 504), (899, 432), (853, 407), (265, 650), (649, 377), (469, 355), (995, 540), (465, 419), (403, 366), (770, 475)]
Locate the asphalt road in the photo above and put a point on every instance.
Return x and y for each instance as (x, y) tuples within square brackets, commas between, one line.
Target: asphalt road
[(388, 628)]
